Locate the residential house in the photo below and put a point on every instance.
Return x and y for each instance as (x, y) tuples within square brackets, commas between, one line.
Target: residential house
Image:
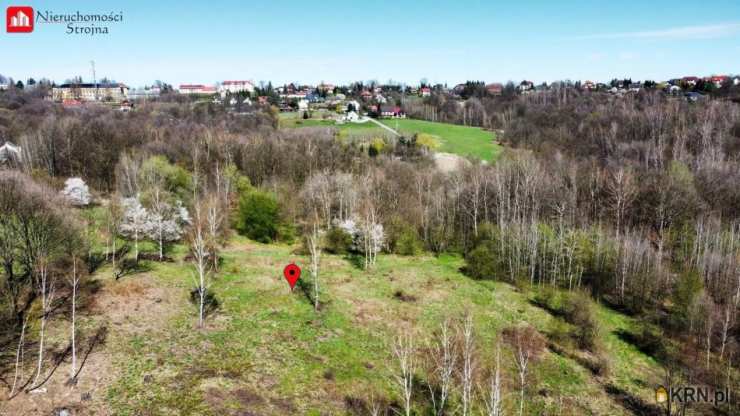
[(425, 91), (718, 80), (495, 88), (366, 95), (113, 92), (353, 105), (690, 81), (380, 99), (262, 99), (126, 106), (588, 85), (525, 87), (326, 88), (303, 105), (391, 111), (197, 89), (458, 89)]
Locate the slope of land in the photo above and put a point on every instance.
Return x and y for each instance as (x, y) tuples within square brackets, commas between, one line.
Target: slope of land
[(266, 351)]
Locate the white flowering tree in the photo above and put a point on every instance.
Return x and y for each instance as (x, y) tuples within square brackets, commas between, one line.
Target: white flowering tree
[(165, 223), (76, 192), (134, 224), (367, 237)]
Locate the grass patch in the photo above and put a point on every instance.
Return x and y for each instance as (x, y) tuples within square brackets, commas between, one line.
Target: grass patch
[(266, 351)]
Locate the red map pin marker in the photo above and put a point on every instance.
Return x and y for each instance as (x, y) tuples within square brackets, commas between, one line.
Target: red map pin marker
[(292, 273)]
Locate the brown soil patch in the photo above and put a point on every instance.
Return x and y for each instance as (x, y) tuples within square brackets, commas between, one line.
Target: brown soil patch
[(120, 309)]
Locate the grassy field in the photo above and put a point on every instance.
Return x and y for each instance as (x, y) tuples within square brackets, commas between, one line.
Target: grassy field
[(460, 140), (266, 351)]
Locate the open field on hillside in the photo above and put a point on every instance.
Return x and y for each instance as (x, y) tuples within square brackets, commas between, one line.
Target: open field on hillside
[(266, 351), (460, 140)]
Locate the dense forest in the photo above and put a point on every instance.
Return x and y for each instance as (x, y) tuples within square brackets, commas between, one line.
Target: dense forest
[(629, 201)]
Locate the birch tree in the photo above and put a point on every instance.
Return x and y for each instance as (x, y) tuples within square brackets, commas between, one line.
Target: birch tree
[(444, 361), (46, 287), (527, 345), (469, 363), (493, 400), (314, 248), (199, 252), (404, 353)]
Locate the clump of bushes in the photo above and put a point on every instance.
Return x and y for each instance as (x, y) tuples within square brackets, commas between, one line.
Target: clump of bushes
[(481, 262), (337, 241), (403, 238), (258, 217), (578, 310)]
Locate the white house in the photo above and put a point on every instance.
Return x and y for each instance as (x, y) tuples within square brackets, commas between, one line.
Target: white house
[(302, 105), (10, 152), (354, 104), (235, 87)]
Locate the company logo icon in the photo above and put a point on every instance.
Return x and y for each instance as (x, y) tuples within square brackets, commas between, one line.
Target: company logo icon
[(19, 19)]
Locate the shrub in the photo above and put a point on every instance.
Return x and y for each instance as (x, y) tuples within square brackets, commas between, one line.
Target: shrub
[(258, 216), (559, 332), (408, 243), (481, 262), (578, 310), (337, 241), (547, 298), (403, 238), (210, 301)]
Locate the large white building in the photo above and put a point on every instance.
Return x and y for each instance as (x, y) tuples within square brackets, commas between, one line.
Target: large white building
[(90, 92), (235, 87)]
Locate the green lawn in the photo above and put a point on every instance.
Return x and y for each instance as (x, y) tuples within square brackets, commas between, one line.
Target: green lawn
[(266, 351), (461, 140)]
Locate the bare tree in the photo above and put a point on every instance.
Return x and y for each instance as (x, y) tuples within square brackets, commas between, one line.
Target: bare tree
[(46, 287), (403, 351), (622, 191), (444, 356), (199, 251), (314, 248), (74, 281), (493, 399), (527, 344), (19, 356), (467, 375)]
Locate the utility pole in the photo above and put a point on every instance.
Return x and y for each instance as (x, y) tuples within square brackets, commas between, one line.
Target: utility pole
[(95, 82)]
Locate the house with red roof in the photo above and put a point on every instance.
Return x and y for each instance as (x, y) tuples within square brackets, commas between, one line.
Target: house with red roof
[(196, 89), (495, 88)]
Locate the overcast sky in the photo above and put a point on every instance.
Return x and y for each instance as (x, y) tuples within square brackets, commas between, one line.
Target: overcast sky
[(400, 40)]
